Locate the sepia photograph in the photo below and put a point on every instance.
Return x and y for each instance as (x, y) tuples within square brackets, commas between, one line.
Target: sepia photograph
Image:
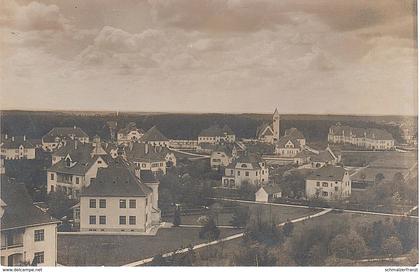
[(209, 133)]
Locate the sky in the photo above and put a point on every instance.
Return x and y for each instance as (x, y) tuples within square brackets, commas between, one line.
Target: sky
[(300, 56)]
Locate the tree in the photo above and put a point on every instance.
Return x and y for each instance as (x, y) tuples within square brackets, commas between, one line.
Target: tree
[(288, 228), (240, 217), (254, 256), (398, 177), (59, 204), (177, 217), (348, 246), (392, 246), (293, 185), (379, 177), (209, 230)]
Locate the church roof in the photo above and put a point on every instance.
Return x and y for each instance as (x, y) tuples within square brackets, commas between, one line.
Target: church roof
[(294, 132), (264, 129), (285, 139)]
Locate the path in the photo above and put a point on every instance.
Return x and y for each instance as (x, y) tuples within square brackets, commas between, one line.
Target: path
[(229, 238), (190, 154), (307, 207)]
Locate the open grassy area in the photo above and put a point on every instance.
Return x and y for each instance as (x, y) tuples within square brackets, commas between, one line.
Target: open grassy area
[(385, 159), (116, 250)]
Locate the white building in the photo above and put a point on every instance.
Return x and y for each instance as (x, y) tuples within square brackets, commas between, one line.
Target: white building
[(17, 148), (74, 166), (329, 182), (216, 134), (268, 193), (129, 134), (270, 133), (150, 157), (154, 137), (245, 169), (183, 144), (118, 201), (55, 137), (28, 235), (370, 139)]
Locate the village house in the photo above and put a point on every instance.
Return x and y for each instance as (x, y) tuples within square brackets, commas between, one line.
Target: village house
[(154, 137), (296, 134), (119, 201), (369, 139), (74, 165), (216, 134), (28, 234), (183, 144), (129, 134), (325, 157), (17, 148), (270, 133), (267, 193), (56, 136), (222, 156), (329, 182), (149, 157), (245, 169)]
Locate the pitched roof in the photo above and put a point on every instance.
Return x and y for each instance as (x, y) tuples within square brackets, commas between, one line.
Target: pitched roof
[(328, 173), (131, 127), (116, 180), (323, 156), (64, 132), (264, 129), (15, 142), (70, 147), (147, 176), (294, 132), (154, 135), (19, 209), (212, 131), (226, 129), (146, 152), (285, 139), (247, 158), (371, 133), (272, 188)]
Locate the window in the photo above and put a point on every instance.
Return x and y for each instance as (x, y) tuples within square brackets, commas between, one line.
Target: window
[(51, 176), (123, 203), (132, 220), (132, 204), (39, 235), (146, 201), (324, 193), (336, 188), (39, 257), (52, 188), (92, 219), (325, 184), (122, 220), (239, 173), (102, 219), (247, 174), (102, 203), (143, 165), (77, 180), (317, 183), (92, 203)]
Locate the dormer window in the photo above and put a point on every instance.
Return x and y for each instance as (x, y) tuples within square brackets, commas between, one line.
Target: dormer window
[(68, 162), (243, 165)]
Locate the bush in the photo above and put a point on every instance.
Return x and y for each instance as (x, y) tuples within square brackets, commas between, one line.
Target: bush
[(240, 217), (209, 231), (348, 246), (392, 246)]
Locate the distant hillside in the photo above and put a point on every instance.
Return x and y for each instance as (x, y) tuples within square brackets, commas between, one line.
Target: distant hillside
[(35, 124)]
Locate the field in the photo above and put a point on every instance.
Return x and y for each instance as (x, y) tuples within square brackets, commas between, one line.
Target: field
[(116, 250)]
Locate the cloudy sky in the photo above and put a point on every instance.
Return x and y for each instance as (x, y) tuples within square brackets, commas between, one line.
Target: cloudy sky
[(302, 56)]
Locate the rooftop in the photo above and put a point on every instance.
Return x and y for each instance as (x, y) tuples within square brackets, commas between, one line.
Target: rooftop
[(328, 173), (154, 135)]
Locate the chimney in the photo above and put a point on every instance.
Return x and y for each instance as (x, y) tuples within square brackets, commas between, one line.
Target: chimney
[(24, 138), (75, 144), (146, 148), (74, 127), (13, 138), (5, 136)]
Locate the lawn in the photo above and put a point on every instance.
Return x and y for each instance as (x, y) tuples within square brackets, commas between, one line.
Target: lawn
[(369, 174), (386, 159), (116, 250)]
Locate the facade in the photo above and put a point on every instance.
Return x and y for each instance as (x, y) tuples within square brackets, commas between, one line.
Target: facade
[(296, 134), (325, 157), (149, 157), (329, 182), (118, 201), (183, 144), (370, 139), (154, 137), (268, 193), (245, 169), (288, 147), (129, 134), (55, 137), (216, 134), (17, 148), (28, 234), (74, 166), (270, 133)]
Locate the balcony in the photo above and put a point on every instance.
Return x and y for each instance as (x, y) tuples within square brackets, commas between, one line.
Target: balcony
[(12, 240)]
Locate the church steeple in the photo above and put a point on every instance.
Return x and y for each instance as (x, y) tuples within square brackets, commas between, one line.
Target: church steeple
[(276, 125)]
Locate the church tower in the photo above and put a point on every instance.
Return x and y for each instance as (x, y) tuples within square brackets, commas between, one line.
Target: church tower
[(276, 126)]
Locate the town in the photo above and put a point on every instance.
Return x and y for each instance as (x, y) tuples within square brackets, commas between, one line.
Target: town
[(151, 199)]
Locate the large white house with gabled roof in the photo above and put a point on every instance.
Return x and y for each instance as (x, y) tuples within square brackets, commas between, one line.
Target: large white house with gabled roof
[(56, 136)]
